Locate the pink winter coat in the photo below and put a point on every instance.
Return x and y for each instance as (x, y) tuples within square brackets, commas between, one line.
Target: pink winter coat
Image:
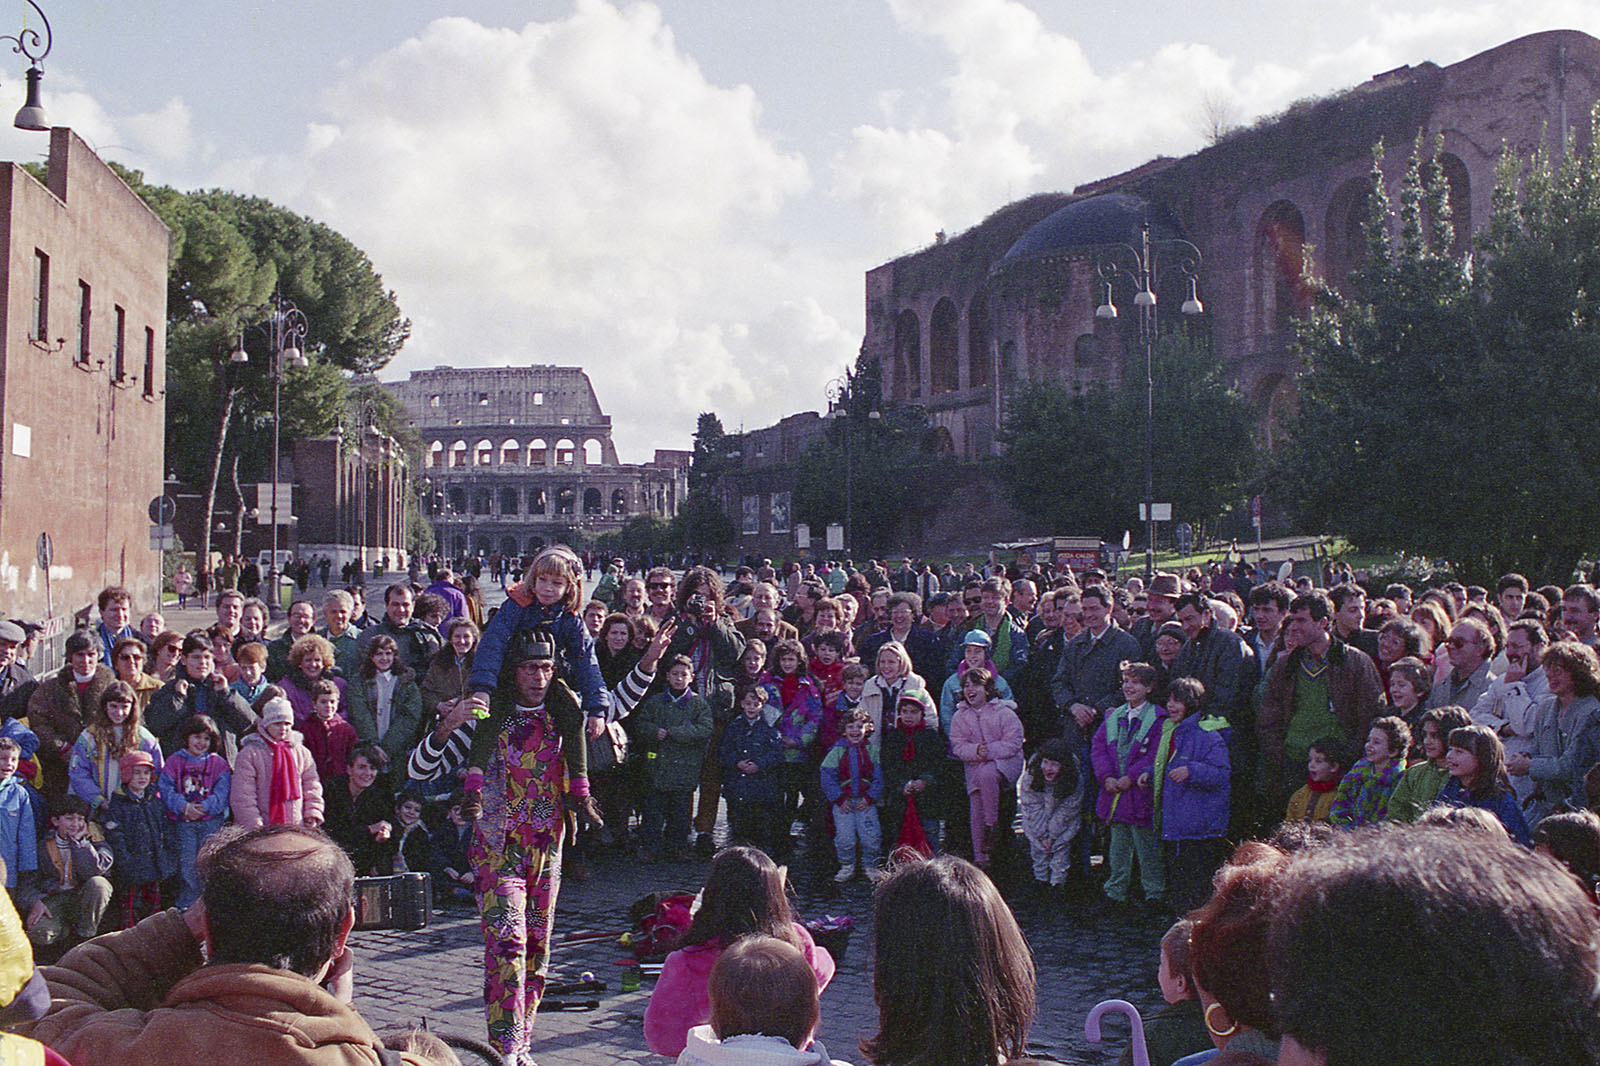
[(995, 725), (681, 999), (252, 783)]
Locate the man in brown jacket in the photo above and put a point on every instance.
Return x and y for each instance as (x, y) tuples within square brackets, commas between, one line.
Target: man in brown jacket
[(1323, 687), (277, 909), (63, 704)]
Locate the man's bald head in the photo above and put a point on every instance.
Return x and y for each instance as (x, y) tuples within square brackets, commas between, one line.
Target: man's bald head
[(276, 895)]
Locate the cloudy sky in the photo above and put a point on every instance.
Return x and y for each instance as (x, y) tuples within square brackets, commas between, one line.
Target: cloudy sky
[(681, 196)]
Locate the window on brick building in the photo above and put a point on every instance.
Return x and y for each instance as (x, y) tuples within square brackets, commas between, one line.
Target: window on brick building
[(149, 363), (85, 306), (41, 297), (119, 353)]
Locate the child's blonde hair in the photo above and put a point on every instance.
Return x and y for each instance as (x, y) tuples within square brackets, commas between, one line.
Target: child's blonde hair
[(558, 560)]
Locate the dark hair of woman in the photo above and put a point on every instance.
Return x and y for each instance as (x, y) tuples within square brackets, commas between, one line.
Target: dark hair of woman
[(744, 894), (964, 997)]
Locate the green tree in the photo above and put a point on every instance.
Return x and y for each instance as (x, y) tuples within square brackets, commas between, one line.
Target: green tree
[(229, 254), (701, 522), (877, 467), (1074, 460), (1445, 403)]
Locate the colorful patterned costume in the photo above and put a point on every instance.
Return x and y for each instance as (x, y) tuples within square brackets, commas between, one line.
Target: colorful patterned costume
[(516, 856)]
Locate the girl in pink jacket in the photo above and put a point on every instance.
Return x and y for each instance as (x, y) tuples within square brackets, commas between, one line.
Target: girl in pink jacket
[(744, 894), (274, 778), (986, 735)]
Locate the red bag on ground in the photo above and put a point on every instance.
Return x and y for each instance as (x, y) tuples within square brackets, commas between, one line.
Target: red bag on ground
[(911, 834)]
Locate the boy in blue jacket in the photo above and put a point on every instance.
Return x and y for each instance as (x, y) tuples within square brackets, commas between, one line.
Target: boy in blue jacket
[(853, 782), (1193, 769), (751, 754)]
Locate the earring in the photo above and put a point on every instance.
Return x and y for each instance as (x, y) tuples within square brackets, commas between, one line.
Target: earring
[(1220, 1034)]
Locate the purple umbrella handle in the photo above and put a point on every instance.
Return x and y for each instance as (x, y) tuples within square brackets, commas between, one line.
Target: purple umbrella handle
[(1091, 1027)]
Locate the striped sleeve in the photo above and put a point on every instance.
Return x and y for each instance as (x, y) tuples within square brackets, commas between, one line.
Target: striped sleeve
[(433, 759)]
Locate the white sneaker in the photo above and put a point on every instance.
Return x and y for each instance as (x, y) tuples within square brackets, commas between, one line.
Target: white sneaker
[(845, 873)]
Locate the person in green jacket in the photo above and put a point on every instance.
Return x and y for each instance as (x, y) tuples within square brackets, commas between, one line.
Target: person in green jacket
[(1421, 784), (675, 724), (383, 702)]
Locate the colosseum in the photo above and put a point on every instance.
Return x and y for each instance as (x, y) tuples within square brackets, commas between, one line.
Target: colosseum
[(518, 457), (958, 326)]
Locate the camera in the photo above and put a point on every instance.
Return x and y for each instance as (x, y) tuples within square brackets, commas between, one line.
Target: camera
[(695, 607), (399, 901)]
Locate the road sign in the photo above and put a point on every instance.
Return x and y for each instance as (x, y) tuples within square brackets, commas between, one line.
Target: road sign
[(835, 537), (1255, 511), (44, 551), (162, 510), (1163, 512), (160, 537), (1185, 534), (802, 535)]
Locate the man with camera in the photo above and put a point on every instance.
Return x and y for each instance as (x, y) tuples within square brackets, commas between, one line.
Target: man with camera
[(277, 909)]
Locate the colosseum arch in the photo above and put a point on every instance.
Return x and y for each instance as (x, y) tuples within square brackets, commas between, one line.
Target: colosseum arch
[(535, 545), (508, 501), (1346, 239), (592, 453), (483, 454), (944, 344), (1282, 292), (436, 454), (458, 545), (458, 502), (1459, 195), (592, 501), (538, 452), (508, 545), (458, 453), (510, 453), (907, 356), (482, 501), (979, 348), (619, 501), (564, 452), (538, 501), (566, 500)]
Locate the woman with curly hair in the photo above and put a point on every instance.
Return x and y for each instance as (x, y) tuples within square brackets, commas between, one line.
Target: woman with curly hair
[(1566, 732)]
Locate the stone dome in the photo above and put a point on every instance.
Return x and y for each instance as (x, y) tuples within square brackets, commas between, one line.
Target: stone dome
[(1109, 218)]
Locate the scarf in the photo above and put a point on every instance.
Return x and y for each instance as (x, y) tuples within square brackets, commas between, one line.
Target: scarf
[(788, 688), (910, 754), (1321, 786), (285, 787)]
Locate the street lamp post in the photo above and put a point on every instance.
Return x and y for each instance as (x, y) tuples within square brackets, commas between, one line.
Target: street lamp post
[(1141, 266), (285, 328), (838, 392)]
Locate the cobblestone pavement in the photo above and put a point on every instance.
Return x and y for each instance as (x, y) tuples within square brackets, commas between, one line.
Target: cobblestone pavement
[(435, 974)]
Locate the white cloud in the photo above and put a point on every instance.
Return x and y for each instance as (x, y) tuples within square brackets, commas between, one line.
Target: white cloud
[(573, 192)]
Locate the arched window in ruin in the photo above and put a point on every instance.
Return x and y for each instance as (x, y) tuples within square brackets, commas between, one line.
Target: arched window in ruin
[(944, 347), (458, 545), (510, 453), (508, 501), (1345, 228), (483, 454), (591, 502), (1460, 198), (458, 501), (436, 454), (538, 501), (535, 545), (566, 500), (482, 501), (907, 356), (537, 452), (564, 452), (591, 452), (979, 350), (458, 453), (1274, 400), (619, 502), (508, 546), (480, 545), (1282, 290)]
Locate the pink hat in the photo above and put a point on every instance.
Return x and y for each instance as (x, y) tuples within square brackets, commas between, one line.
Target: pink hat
[(135, 758)]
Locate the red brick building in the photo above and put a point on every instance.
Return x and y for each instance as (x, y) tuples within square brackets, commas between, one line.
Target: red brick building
[(82, 382)]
